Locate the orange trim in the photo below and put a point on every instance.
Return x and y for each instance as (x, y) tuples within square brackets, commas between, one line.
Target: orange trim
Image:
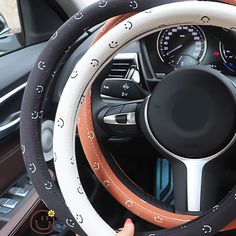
[(105, 174)]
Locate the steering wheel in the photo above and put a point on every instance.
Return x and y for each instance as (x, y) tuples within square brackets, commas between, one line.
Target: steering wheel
[(94, 113), (224, 209), (88, 121), (67, 113)]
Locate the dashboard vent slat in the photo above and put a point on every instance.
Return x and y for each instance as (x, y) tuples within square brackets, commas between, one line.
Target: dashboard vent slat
[(121, 65)]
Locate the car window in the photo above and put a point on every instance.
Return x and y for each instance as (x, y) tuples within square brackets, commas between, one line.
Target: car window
[(10, 12), (10, 27)]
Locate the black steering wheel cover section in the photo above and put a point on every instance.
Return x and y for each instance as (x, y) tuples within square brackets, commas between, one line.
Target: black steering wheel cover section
[(32, 114)]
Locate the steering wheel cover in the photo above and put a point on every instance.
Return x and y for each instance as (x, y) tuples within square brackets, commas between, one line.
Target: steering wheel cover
[(39, 79), (85, 74), (110, 24), (85, 123), (30, 129)]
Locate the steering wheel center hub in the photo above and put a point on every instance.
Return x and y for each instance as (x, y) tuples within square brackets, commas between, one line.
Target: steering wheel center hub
[(192, 112)]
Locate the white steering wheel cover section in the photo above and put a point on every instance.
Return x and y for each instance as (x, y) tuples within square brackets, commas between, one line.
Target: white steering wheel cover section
[(85, 72)]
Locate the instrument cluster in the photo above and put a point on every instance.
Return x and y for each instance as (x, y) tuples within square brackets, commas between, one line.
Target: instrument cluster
[(182, 46)]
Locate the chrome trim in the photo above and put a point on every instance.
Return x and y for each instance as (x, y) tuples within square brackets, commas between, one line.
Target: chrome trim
[(193, 166), (194, 183), (127, 56), (11, 93), (111, 120), (221, 45)]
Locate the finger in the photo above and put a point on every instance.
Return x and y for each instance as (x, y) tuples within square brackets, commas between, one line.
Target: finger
[(128, 229)]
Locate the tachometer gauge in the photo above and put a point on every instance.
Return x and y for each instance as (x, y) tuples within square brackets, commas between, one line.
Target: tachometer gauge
[(182, 46), (228, 57)]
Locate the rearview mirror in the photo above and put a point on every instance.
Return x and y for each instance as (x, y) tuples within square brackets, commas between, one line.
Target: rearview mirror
[(4, 29)]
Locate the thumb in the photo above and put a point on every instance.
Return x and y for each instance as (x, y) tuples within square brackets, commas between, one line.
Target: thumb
[(128, 229)]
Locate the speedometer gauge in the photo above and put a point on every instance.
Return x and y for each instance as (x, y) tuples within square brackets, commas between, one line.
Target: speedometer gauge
[(182, 46), (228, 57)]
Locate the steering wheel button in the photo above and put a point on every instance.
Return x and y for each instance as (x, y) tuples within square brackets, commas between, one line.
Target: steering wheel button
[(129, 108), (114, 110), (116, 130), (121, 119), (131, 130)]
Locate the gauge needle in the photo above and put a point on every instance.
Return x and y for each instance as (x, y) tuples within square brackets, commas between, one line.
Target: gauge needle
[(179, 60), (173, 50)]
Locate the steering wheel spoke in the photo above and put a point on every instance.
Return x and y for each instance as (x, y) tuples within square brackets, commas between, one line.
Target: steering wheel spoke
[(196, 184)]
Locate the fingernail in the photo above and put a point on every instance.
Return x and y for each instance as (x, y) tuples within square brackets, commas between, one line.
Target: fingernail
[(128, 222)]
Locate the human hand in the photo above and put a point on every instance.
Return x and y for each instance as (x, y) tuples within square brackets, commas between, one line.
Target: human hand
[(128, 229)]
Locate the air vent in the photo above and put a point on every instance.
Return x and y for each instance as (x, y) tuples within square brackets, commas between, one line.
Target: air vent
[(120, 68), (124, 66)]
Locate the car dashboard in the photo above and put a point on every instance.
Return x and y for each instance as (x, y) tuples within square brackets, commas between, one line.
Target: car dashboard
[(182, 46)]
